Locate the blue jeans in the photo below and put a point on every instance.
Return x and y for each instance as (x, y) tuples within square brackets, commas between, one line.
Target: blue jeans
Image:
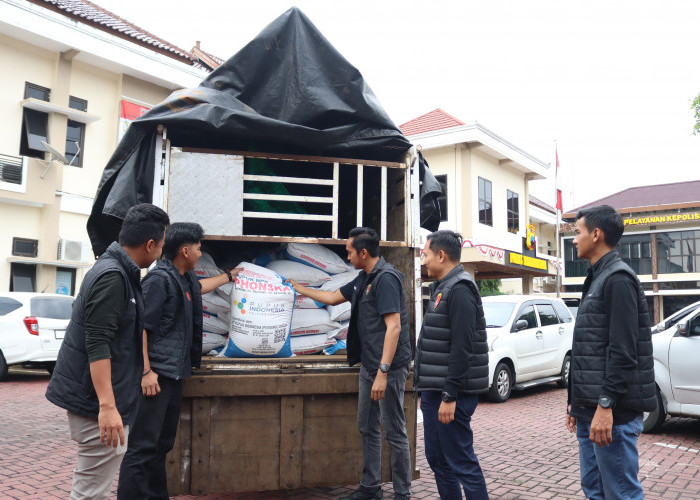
[(389, 411), (610, 472), (449, 448)]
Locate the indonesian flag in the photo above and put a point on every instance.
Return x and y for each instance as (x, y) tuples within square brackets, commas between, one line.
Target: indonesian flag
[(557, 184)]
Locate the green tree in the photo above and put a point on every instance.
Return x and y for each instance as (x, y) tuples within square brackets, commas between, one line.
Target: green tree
[(695, 106), (489, 287)]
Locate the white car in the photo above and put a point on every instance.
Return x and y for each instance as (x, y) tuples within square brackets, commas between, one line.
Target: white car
[(529, 341), (676, 355), (675, 318), (32, 327)]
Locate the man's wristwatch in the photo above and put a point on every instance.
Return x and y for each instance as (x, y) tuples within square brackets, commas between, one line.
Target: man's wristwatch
[(448, 398), (230, 277), (606, 402), (384, 368)]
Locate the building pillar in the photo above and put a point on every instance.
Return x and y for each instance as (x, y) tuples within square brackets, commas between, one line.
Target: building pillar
[(658, 304), (527, 284)]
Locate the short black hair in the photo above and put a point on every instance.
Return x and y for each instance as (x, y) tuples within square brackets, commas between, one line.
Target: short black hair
[(142, 223), (447, 241), (180, 234), (605, 218), (365, 238)]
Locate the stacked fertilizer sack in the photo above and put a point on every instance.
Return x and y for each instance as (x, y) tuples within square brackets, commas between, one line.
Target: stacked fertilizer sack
[(315, 328), (259, 316)]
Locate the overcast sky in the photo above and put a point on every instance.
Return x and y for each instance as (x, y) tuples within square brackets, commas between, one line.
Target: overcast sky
[(610, 82)]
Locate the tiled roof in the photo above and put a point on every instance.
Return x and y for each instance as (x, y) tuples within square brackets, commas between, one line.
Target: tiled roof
[(434, 120), (209, 60), (92, 14), (541, 204), (650, 196)]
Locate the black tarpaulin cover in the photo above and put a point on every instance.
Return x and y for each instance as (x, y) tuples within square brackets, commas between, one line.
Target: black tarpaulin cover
[(289, 90)]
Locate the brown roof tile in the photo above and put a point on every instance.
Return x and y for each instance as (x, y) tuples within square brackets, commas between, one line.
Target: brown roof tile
[(650, 197), (92, 14), (541, 204), (434, 120)]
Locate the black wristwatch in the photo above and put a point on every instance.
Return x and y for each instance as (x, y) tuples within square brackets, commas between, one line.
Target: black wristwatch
[(230, 277), (448, 398), (606, 402), (384, 368)]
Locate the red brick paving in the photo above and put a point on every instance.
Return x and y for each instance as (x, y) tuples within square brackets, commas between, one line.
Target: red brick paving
[(524, 449)]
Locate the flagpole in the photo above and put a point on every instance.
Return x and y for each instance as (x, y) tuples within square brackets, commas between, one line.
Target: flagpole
[(557, 191)]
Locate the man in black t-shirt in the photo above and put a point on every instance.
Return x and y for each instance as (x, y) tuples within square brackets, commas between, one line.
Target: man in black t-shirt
[(378, 337), (172, 345)]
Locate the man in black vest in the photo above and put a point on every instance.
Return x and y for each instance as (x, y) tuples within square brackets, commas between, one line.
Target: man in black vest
[(612, 366), (451, 368), (172, 340), (98, 369), (378, 338)]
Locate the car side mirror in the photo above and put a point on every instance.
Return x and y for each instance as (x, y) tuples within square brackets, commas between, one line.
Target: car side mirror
[(683, 328), (660, 327), (521, 324)]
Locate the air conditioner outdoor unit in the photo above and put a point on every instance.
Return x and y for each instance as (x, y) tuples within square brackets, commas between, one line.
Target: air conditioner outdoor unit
[(78, 251)]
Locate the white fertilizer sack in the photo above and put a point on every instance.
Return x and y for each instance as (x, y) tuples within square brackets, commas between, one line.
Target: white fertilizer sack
[(213, 323), (312, 321), (339, 280), (341, 312), (261, 315), (315, 255), (206, 267), (212, 303), (211, 341), (340, 333), (303, 302), (310, 344), (301, 273)]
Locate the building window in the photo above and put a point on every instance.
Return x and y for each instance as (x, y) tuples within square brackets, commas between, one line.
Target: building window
[(34, 123), (677, 252), (22, 277), (442, 199), (635, 250), (513, 210), (65, 281), (24, 247), (75, 134), (485, 202)]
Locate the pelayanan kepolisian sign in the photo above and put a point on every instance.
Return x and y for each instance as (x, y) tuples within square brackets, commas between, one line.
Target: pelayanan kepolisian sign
[(526, 261), (662, 219)]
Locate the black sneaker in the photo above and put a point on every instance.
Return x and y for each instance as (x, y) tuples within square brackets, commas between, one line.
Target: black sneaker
[(364, 494)]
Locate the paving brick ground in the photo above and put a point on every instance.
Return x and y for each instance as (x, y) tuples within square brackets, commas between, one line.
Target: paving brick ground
[(524, 450)]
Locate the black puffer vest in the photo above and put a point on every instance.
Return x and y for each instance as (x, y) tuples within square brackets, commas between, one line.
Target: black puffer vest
[(367, 328), (71, 385), (433, 353), (590, 345), (166, 344)]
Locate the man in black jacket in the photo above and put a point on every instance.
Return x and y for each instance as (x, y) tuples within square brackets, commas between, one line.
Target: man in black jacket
[(451, 369), (172, 345), (96, 378), (612, 371), (378, 337)]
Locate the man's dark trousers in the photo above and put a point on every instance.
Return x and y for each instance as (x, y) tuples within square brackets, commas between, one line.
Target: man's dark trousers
[(142, 474), (449, 448)]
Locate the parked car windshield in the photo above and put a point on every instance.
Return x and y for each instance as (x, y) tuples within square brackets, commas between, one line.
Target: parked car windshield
[(51, 307), (497, 314)]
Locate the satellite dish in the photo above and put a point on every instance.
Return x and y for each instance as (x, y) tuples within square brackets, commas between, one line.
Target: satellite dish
[(54, 153)]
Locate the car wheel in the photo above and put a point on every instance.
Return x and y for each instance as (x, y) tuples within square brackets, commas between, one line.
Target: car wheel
[(565, 370), (3, 366), (502, 384), (654, 419)]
